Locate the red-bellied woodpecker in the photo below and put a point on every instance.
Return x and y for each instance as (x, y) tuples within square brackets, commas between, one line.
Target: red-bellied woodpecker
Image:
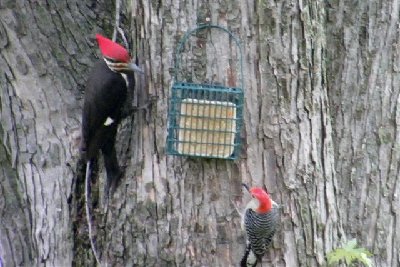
[(260, 220)]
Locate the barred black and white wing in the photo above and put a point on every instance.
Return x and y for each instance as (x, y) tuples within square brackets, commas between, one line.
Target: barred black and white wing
[(260, 229)]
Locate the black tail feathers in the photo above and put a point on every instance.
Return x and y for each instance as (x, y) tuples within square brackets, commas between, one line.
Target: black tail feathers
[(245, 258)]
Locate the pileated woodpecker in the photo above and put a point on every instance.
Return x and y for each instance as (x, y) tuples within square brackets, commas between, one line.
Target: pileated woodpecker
[(105, 95)]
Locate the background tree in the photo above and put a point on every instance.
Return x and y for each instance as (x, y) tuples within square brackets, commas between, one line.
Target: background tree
[(321, 94)]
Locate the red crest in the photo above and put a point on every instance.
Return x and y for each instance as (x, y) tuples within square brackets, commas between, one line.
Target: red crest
[(263, 198), (112, 50)]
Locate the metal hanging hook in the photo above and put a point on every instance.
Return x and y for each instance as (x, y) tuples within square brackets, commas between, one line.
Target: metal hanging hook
[(199, 28)]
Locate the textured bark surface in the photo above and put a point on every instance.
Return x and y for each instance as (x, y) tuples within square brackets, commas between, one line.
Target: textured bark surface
[(321, 93), (363, 86), (46, 49)]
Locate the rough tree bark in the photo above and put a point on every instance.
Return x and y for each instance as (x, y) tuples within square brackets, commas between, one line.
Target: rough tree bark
[(321, 94), (363, 87), (46, 48)]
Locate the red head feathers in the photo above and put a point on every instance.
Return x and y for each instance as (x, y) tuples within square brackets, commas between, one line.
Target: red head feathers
[(263, 199), (112, 50)]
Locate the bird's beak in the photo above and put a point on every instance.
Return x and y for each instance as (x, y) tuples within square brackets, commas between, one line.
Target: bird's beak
[(246, 186), (135, 68)]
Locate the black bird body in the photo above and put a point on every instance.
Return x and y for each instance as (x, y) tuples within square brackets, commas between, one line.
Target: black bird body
[(105, 95)]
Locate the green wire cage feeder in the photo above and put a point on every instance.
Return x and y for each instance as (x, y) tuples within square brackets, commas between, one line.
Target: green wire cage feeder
[(205, 120)]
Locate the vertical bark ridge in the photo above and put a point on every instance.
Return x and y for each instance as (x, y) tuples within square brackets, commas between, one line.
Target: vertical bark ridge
[(365, 128)]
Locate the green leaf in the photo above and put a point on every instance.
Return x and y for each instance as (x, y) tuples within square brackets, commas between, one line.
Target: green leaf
[(349, 253)]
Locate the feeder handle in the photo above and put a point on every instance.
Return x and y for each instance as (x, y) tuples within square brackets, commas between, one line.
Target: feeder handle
[(199, 28)]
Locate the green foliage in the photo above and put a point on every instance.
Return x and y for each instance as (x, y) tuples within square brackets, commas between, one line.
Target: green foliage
[(349, 253)]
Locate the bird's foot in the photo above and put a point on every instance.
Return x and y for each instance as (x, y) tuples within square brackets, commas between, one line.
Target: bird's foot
[(146, 105)]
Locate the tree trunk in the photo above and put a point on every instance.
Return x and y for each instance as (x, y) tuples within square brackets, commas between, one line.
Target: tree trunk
[(46, 50), (321, 82), (363, 82)]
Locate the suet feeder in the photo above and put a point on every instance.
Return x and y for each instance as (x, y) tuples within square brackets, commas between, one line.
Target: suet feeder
[(205, 119)]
